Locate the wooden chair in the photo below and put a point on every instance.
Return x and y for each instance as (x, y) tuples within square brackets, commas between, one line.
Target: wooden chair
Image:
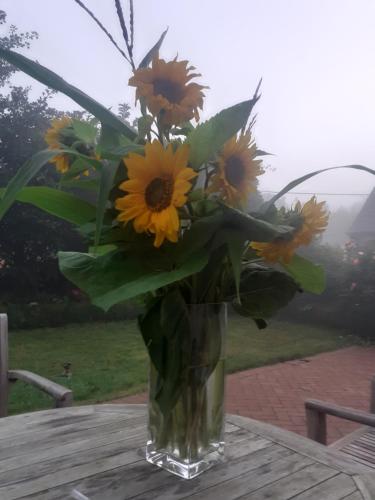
[(62, 396), (360, 444)]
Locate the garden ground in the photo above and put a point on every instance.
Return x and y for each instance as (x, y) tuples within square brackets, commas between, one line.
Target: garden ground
[(108, 360)]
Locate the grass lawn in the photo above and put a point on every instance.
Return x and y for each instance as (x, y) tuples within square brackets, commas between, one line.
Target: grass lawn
[(110, 360)]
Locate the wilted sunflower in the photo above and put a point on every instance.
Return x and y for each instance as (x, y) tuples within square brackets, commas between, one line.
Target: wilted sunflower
[(314, 221), (54, 139), (157, 186), (237, 170), (167, 92)]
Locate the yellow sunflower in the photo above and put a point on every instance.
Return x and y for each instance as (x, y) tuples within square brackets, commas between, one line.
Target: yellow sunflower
[(54, 140), (315, 220), (157, 186), (237, 170), (167, 92)]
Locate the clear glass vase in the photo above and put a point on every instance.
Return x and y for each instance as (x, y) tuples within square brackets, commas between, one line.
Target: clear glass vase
[(188, 437)]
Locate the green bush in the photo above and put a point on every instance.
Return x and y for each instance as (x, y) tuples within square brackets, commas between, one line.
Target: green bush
[(38, 315), (349, 298)]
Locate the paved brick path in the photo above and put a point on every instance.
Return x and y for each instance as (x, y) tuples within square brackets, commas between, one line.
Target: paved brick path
[(276, 393)]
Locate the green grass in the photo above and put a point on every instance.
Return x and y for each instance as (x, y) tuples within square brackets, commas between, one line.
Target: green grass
[(110, 360)]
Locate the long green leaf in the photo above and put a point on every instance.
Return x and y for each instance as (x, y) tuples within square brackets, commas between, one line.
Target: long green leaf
[(106, 183), (153, 51), (310, 276), (87, 184), (209, 137), (28, 170), (114, 277), (266, 206), (255, 229), (59, 203), (51, 79)]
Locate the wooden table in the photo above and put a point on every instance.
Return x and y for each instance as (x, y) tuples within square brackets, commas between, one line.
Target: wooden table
[(96, 450)]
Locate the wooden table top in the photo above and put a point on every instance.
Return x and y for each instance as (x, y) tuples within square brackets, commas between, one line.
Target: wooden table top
[(96, 451)]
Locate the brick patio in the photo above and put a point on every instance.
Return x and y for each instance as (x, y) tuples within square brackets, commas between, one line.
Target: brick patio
[(276, 393)]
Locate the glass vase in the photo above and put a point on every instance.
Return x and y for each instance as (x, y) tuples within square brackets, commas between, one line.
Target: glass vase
[(186, 434)]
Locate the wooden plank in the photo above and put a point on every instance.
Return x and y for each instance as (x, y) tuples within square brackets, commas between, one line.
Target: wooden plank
[(34, 445), (300, 444), (337, 488), (62, 395), (57, 478), (293, 483), (372, 395), (51, 473), (4, 365), (354, 496), (126, 482), (340, 443), (44, 468), (19, 423), (61, 450), (366, 485), (251, 481), (359, 416), (316, 423)]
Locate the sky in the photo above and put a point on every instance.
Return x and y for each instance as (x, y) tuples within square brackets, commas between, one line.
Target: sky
[(316, 58)]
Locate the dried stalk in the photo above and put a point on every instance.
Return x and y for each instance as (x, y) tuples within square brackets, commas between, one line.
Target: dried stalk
[(92, 15)]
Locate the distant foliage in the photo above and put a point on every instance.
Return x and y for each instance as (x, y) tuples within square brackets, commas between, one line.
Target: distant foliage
[(29, 238), (349, 298)]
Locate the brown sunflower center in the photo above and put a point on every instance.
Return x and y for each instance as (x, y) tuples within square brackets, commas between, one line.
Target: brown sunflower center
[(159, 193), (234, 171), (172, 91)]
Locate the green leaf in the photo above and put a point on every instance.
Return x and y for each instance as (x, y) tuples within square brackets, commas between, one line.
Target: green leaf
[(153, 52), (175, 327), (207, 139), (85, 131), (102, 249), (109, 139), (59, 203), (54, 81), (198, 235), (114, 277), (78, 166), (235, 242), (216, 227), (85, 183), (24, 174), (119, 152), (310, 276), (264, 291), (255, 229), (106, 184), (268, 205), (150, 328), (144, 126)]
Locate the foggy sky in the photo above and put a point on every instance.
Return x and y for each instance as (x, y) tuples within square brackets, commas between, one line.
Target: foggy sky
[(316, 57)]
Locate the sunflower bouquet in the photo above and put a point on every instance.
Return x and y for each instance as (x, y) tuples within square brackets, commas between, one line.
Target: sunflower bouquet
[(164, 208)]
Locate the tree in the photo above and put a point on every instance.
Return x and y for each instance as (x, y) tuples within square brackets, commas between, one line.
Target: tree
[(13, 40), (27, 269)]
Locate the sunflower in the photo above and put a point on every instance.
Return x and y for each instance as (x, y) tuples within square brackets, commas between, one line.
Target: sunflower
[(54, 140), (167, 92), (314, 221), (157, 186), (237, 170)]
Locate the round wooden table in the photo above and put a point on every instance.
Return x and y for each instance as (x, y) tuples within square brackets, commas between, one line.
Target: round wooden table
[(95, 452)]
